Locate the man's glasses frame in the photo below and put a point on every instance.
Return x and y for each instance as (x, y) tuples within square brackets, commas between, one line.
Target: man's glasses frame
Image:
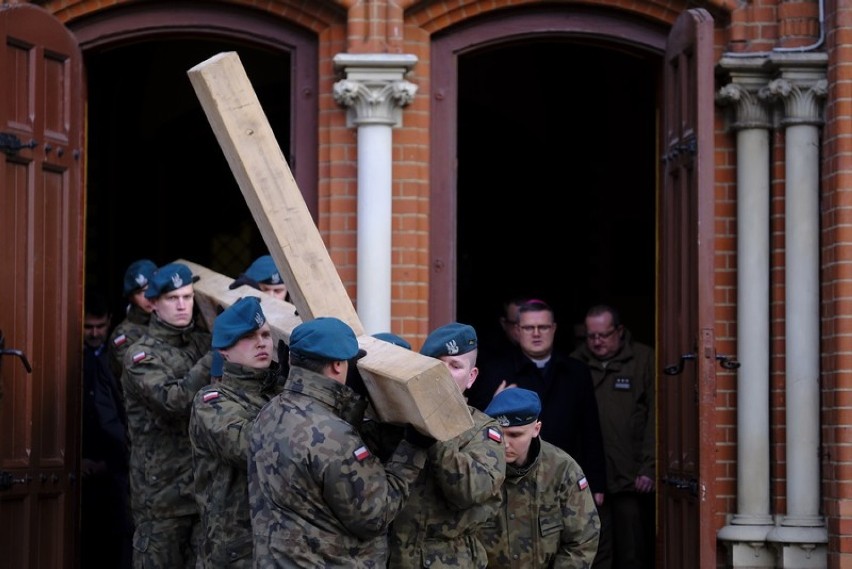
[(541, 328), (601, 335)]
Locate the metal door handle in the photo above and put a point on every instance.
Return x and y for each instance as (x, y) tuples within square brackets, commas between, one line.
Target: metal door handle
[(682, 483), (727, 362), (19, 353), (677, 368), (6, 480)]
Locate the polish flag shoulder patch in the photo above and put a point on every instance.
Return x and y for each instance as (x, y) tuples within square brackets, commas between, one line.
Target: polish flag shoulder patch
[(362, 453), (210, 396), (119, 340), (582, 483), (138, 357), (495, 435)]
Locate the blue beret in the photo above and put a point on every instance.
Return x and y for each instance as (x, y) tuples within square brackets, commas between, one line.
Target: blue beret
[(168, 278), (325, 338), (263, 270), (450, 340), (393, 339), (514, 406), (241, 318), (137, 275)]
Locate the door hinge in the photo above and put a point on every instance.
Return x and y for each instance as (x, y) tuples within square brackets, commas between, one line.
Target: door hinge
[(11, 144)]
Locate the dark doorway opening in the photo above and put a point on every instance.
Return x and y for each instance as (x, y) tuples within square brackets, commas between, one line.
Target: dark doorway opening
[(558, 138), (158, 184)]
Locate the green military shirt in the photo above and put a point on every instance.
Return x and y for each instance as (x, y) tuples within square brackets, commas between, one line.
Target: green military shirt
[(457, 492), (318, 496), (220, 430), (125, 334), (159, 382), (548, 517)]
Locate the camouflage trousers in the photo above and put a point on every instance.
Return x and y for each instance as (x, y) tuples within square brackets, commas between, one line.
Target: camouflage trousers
[(170, 543)]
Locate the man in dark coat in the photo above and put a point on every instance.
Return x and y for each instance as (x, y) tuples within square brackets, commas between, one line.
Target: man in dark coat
[(569, 412)]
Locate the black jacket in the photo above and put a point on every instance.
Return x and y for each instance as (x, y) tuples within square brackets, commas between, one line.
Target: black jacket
[(569, 410)]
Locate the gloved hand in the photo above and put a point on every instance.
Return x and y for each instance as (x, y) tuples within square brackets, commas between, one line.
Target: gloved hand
[(244, 280), (417, 438), (217, 366)]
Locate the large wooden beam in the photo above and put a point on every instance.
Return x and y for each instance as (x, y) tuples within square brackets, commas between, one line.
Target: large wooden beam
[(405, 386)]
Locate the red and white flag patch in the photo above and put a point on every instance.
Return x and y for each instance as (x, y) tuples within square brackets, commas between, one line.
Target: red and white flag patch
[(119, 340), (582, 483), (495, 435), (210, 396), (139, 357), (361, 453)]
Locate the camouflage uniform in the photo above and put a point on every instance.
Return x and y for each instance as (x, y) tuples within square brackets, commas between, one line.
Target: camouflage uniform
[(548, 517), (125, 334), (457, 493), (160, 379), (220, 429), (318, 496)]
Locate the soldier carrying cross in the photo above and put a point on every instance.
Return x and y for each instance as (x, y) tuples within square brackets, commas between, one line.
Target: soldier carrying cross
[(405, 388)]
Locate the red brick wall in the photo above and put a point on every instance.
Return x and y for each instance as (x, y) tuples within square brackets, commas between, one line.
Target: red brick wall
[(406, 26)]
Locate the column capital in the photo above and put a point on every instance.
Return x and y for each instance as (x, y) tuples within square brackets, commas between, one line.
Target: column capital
[(374, 89), (751, 108), (748, 76), (801, 85)]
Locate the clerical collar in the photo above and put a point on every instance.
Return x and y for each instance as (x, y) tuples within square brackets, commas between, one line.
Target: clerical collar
[(540, 362)]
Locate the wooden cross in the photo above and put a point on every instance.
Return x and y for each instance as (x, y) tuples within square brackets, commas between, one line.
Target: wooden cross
[(405, 387)]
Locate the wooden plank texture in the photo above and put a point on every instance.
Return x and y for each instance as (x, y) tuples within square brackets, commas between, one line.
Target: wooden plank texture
[(405, 387), (268, 186)]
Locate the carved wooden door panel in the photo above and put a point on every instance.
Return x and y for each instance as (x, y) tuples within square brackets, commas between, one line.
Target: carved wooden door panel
[(41, 273), (687, 388)]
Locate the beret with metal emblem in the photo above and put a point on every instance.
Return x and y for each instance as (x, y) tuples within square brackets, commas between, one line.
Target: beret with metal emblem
[(450, 340), (514, 407), (241, 318), (137, 275), (168, 278), (263, 270)]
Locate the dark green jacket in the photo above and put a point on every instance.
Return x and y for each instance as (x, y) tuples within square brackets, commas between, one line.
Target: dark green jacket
[(624, 389)]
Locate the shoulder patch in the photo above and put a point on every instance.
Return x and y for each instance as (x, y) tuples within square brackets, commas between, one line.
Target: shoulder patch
[(362, 453), (138, 357), (210, 396), (119, 340), (495, 435), (582, 483)]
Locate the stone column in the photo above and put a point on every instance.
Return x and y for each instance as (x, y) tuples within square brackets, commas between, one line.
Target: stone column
[(802, 535), (747, 530), (374, 92)]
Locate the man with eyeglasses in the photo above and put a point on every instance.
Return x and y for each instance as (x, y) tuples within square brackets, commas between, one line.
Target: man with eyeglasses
[(623, 375), (569, 413)]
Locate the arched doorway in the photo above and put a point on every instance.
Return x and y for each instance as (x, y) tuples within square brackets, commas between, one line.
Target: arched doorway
[(158, 184), (557, 132)]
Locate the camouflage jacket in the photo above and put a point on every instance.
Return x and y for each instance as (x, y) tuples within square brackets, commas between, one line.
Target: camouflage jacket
[(548, 517), (125, 334), (219, 430), (624, 389), (160, 379), (319, 497), (457, 492)]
